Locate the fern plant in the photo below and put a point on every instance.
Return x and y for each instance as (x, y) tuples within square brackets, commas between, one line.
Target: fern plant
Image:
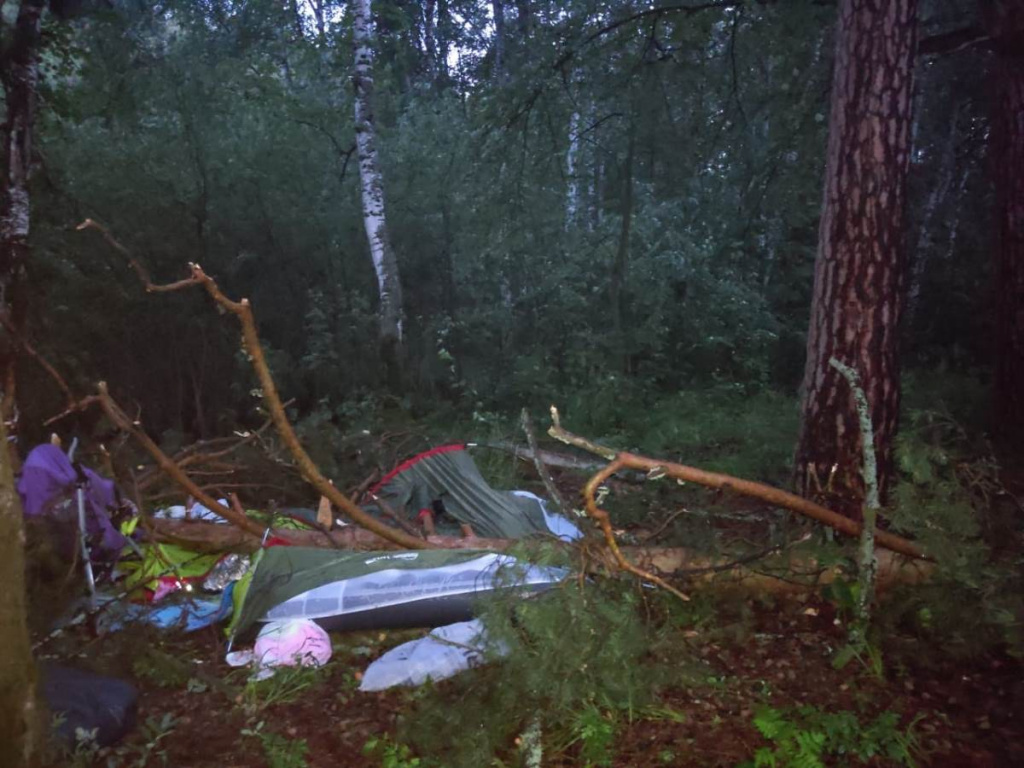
[(806, 736)]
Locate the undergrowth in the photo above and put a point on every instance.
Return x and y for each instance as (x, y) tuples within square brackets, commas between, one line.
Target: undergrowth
[(951, 499), (806, 737), (575, 662)]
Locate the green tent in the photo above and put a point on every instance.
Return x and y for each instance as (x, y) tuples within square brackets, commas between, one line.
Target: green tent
[(363, 590), (449, 476)]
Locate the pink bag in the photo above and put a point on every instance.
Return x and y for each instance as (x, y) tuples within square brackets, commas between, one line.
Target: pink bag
[(285, 643)]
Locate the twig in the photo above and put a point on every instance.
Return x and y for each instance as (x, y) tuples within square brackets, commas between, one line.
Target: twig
[(538, 462), (604, 522), (766, 493), (660, 529)]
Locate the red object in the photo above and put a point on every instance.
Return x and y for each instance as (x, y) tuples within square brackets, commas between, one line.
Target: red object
[(276, 541), (415, 460)]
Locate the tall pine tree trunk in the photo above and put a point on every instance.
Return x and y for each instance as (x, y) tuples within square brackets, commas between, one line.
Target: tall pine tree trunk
[(856, 306), (19, 72), (384, 262), (1005, 20), (19, 719)]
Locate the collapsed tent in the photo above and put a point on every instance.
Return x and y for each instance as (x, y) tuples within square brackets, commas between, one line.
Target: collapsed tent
[(446, 479), (48, 485), (365, 590)]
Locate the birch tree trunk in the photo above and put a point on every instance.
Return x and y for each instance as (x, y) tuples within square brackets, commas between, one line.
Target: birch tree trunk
[(19, 72), (19, 719), (429, 35), (498, 10), (372, 183), (572, 192), (1005, 20), (857, 302)]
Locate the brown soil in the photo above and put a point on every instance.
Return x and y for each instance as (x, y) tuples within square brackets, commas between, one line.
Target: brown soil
[(969, 712)]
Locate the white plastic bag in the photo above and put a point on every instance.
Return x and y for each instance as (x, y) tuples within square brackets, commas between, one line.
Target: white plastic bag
[(446, 651)]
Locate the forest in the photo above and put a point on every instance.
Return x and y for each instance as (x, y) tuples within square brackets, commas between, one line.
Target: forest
[(697, 326)]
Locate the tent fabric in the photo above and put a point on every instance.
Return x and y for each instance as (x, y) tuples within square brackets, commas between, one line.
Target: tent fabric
[(308, 582), (448, 474), (47, 487)]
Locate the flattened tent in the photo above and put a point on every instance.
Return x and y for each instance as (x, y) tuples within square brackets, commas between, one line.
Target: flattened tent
[(450, 476), (363, 590)]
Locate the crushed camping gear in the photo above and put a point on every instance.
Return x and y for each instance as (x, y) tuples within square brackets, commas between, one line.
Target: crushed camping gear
[(184, 613), (228, 569), (444, 652), (446, 478), (297, 642), (379, 590)]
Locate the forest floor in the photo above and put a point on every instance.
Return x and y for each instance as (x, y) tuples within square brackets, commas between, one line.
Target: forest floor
[(196, 712), (968, 714)]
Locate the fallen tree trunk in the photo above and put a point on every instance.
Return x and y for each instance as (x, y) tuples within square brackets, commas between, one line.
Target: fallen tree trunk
[(787, 573)]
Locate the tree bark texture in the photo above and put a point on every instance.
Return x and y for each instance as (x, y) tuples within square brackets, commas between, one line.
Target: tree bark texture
[(1005, 20), (857, 300), (19, 73), (19, 720), (384, 262)]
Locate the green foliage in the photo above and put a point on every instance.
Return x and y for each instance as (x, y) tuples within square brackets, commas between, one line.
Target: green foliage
[(390, 753), (161, 668), (279, 751), (288, 684), (595, 732), (579, 658), (952, 500), (806, 737)]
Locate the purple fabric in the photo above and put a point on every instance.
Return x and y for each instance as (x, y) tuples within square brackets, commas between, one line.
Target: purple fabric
[(47, 479)]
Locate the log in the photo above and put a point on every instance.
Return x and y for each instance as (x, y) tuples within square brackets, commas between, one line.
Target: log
[(798, 572)]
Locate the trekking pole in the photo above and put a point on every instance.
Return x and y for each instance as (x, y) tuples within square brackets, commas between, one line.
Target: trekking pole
[(83, 538)]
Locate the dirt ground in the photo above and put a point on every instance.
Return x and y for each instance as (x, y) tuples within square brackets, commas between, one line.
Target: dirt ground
[(968, 714)]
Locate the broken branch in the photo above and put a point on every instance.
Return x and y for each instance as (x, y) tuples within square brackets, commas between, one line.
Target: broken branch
[(254, 351), (766, 493)]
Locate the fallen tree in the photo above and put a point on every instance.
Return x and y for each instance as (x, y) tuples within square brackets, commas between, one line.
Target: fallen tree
[(779, 572), (372, 533)]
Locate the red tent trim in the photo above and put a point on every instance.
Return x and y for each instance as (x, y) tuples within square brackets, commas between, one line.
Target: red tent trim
[(415, 460)]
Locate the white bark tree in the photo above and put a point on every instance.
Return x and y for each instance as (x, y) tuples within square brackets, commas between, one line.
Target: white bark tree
[(372, 183), (572, 193)]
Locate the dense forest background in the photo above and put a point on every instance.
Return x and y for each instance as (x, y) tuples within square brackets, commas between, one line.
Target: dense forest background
[(591, 204)]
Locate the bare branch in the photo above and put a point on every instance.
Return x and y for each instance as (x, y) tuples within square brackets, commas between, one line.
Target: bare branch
[(242, 310), (766, 493)]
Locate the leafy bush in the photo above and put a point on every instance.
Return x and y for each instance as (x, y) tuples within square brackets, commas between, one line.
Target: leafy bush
[(804, 737)]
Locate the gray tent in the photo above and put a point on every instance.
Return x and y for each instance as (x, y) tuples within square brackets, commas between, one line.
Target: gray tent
[(448, 476)]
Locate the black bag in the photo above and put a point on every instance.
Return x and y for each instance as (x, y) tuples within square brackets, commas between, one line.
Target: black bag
[(87, 701)]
